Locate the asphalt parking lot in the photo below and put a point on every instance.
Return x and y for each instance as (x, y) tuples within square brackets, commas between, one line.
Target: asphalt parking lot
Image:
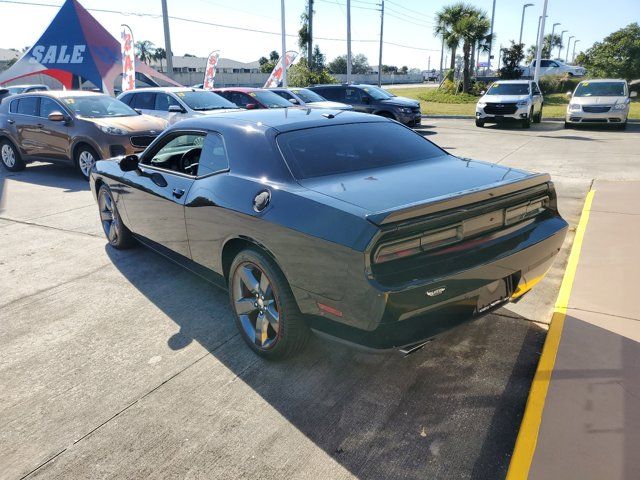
[(121, 364)]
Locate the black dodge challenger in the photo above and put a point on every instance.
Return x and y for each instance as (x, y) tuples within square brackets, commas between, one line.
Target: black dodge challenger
[(347, 224)]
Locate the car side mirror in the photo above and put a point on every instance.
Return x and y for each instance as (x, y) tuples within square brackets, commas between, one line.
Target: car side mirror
[(568, 94), (57, 117), (294, 101), (633, 94), (251, 106), (482, 92), (176, 109), (129, 163)]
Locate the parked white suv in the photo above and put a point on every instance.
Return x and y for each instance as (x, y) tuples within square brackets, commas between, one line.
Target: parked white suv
[(604, 100), (553, 67), (176, 103), (510, 101)]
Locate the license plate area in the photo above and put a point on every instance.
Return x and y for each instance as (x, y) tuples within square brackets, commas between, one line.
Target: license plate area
[(494, 294)]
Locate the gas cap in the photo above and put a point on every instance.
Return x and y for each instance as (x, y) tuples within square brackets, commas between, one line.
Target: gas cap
[(261, 200)]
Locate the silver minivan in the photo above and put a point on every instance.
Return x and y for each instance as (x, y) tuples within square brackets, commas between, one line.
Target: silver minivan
[(176, 103), (601, 101)]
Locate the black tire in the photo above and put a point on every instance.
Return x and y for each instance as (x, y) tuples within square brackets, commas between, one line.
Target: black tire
[(526, 123), (292, 332), (567, 125), (117, 233), (479, 123), (538, 117), (80, 158), (10, 156)]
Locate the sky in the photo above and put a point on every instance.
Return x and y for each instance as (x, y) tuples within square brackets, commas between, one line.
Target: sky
[(408, 24)]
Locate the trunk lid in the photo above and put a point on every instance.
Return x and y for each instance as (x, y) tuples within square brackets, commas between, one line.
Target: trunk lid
[(416, 189)]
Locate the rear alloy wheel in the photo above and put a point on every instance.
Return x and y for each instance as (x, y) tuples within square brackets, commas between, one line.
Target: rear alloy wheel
[(265, 310), (118, 235), (85, 158), (479, 123), (10, 157)]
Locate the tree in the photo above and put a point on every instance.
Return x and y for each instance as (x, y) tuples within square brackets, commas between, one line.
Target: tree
[(318, 60), (144, 50), (359, 64), (550, 44), (617, 56), (159, 55), (511, 58), (268, 64), (404, 70), (474, 26), (338, 65), (304, 39), (531, 54), (299, 75), (446, 21)]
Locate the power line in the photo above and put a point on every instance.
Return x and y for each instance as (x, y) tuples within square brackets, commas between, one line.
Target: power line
[(403, 19), (410, 10)]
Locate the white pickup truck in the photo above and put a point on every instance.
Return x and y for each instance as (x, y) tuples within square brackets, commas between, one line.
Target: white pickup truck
[(553, 67)]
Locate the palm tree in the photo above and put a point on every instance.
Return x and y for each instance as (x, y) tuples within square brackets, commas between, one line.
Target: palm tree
[(474, 27), (160, 54), (446, 21), (144, 50)]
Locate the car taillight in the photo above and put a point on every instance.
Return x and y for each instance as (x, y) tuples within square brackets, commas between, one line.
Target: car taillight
[(520, 212), (405, 248)]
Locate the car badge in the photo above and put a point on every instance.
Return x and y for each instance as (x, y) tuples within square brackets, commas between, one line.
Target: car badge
[(436, 292), (152, 132)]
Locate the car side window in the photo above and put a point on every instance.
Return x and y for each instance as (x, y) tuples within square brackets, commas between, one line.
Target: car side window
[(13, 108), (48, 106), (164, 101), (353, 95), (144, 100), (240, 99), (545, 63), (285, 95), (126, 99), (28, 106), (536, 90), (335, 94), (179, 153), (554, 64), (214, 155)]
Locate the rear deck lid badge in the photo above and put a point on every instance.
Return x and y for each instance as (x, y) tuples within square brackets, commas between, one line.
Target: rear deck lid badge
[(435, 292)]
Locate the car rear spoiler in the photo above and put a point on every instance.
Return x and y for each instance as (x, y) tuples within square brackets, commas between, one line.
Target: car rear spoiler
[(456, 200)]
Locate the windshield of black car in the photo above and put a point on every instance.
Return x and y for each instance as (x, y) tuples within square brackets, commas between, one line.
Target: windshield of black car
[(308, 96), (600, 89), (270, 99), (202, 100), (378, 93), (337, 149), (509, 89), (98, 106)]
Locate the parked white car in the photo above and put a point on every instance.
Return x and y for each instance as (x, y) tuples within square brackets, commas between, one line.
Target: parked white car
[(553, 67), (601, 101), (176, 103), (510, 101)]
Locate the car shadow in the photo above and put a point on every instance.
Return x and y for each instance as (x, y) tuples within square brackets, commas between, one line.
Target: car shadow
[(49, 175), (449, 409)]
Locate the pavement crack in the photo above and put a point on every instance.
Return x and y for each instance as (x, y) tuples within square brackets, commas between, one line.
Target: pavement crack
[(33, 224), (50, 459), (603, 313), (519, 148), (63, 211)]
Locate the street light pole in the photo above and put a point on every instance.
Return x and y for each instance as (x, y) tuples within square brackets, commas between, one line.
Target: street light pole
[(380, 54), (283, 57), (167, 38), (493, 15), (568, 45), (553, 29), (536, 75), (348, 40), (524, 7), (560, 46), (573, 56), (538, 31)]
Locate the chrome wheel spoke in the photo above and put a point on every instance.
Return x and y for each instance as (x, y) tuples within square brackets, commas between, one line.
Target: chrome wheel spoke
[(273, 317), (264, 284), (262, 325), (249, 279), (245, 306), (106, 215), (113, 233)]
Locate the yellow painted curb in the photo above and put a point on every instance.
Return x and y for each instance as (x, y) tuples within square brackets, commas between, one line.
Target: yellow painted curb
[(528, 434)]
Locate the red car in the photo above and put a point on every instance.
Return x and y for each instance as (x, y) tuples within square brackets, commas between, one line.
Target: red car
[(253, 98)]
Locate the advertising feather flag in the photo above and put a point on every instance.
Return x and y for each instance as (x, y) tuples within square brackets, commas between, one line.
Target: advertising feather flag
[(276, 76), (210, 71), (128, 58)]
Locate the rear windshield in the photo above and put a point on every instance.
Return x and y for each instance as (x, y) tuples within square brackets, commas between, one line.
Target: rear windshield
[(337, 149), (509, 89), (600, 89), (270, 99), (307, 96)]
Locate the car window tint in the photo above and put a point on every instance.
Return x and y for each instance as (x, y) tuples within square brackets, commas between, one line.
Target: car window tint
[(335, 94), (163, 101), (286, 95), (48, 106), (28, 106), (340, 149), (127, 98), (145, 100), (13, 108), (239, 99), (180, 153), (352, 95), (214, 155), (536, 90), (545, 63)]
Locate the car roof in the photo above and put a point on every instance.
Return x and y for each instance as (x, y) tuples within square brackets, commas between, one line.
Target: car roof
[(164, 89), (64, 93), (602, 80), (513, 81), (30, 85), (238, 89), (283, 119)]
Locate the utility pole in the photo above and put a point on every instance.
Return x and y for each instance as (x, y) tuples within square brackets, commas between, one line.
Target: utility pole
[(380, 54), (493, 15), (348, 40), (560, 46), (441, 55), (310, 31), (524, 7), (283, 57), (167, 38), (568, 45), (553, 29), (536, 75), (573, 57)]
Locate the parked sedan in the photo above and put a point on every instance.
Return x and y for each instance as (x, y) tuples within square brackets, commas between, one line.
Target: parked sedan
[(510, 101), (344, 223), (253, 98), (16, 89), (72, 127), (600, 101), (306, 98), (176, 103)]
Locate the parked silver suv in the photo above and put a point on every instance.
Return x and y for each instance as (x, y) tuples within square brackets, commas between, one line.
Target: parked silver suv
[(510, 101)]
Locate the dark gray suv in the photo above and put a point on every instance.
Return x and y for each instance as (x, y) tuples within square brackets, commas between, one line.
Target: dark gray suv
[(372, 99)]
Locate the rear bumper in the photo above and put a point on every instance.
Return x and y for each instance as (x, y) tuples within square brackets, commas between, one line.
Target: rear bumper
[(384, 318)]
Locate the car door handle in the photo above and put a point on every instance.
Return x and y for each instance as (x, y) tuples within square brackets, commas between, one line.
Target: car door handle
[(11, 122), (178, 192)]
